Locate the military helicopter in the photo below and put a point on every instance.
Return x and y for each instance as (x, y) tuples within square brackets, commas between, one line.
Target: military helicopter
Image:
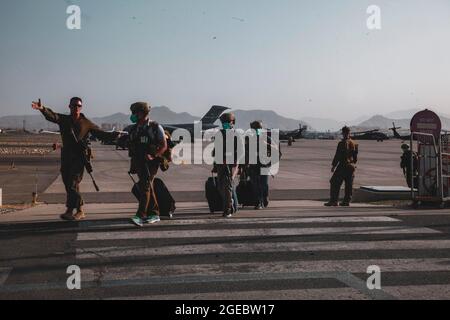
[(370, 135), (397, 135), (294, 134)]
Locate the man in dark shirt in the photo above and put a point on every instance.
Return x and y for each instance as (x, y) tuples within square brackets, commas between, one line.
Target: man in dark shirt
[(343, 168), (226, 170), (409, 165), (74, 128)]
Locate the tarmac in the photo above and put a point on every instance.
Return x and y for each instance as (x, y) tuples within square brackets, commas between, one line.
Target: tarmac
[(304, 174), (295, 249)]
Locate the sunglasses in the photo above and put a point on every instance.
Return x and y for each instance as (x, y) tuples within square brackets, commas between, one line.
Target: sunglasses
[(76, 105)]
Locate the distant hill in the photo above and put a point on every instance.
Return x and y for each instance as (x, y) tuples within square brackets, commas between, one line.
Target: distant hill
[(323, 124), (269, 118), (402, 114), (382, 122), (161, 114), (165, 116), (37, 122)]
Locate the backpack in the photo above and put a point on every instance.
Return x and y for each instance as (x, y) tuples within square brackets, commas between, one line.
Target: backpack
[(167, 155), (166, 158)]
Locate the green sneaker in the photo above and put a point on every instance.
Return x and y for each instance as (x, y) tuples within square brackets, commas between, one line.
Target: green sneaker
[(152, 219), (136, 220)]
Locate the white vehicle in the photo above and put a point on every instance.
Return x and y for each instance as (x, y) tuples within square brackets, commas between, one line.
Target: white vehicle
[(48, 132)]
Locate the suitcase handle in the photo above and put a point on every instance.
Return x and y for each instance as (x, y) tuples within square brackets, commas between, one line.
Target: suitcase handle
[(214, 180), (131, 176)]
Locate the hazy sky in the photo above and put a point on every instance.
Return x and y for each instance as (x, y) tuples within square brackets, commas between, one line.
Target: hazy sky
[(298, 58)]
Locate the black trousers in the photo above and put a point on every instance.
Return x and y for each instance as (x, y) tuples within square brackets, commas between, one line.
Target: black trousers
[(260, 184), (72, 170), (148, 203), (340, 176)]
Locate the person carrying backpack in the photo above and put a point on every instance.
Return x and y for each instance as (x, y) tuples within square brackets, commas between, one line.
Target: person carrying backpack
[(147, 146)]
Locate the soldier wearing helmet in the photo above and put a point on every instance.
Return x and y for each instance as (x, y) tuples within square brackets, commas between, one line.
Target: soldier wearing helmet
[(147, 144), (343, 168), (409, 164)]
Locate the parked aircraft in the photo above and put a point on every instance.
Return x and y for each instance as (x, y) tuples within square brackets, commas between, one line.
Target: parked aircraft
[(397, 135), (370, 135), (294, 134), (207, 121), (207, 124), (48, 132)]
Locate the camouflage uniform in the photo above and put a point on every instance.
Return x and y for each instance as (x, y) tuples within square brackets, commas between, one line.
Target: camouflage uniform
[(72, 164), (144, 141), (345, 163)]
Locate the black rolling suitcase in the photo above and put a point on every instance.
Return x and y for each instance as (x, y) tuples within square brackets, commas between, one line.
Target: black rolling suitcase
[(213, 197), (165, 200), (245, 192)]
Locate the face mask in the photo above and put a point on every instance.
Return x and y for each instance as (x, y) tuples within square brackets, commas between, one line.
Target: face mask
[(134, 118), (258, 132), (227, 126)]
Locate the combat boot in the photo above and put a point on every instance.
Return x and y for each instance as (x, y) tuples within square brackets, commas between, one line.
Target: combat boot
[(68, 215), (79, 215), (331, 204)]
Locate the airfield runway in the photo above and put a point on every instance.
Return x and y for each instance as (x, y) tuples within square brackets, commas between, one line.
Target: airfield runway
[(292, 250), (304, 174)]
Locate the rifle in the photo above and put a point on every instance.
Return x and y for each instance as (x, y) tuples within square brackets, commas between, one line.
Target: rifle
[(83, 147)]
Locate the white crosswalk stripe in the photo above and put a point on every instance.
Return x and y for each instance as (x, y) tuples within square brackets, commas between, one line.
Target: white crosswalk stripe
[(4, 273), (117, 252), (151, 234), (249, 236), (243, 221), (325, 266), (301, 258)]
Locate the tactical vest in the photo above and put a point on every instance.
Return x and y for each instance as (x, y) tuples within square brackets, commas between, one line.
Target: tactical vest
[(143, 140)]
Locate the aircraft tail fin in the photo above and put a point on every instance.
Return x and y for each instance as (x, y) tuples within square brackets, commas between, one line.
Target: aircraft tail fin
[(213, 114)]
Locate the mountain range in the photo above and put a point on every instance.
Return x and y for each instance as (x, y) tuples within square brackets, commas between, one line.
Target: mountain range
[(270, 119), (161, 114)]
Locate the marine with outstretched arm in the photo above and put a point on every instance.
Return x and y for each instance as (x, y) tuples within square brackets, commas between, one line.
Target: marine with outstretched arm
[(75, 155)]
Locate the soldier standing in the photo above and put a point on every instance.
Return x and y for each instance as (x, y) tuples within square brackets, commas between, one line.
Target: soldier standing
[(409, 158), (147, 145), (75, 129), (343, 168)]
